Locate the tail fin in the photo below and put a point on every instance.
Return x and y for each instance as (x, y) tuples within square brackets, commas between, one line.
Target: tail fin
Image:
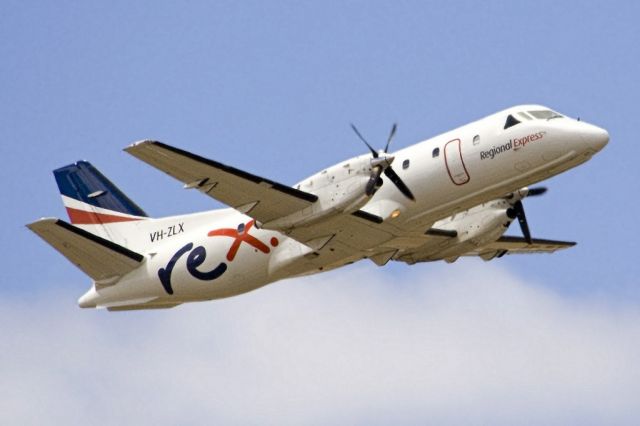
[(91, 198), (94, 203)]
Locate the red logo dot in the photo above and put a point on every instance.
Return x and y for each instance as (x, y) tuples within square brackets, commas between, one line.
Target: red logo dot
[(274, 241)]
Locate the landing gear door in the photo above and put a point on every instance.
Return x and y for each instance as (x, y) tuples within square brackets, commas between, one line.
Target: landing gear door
[(454, 162)]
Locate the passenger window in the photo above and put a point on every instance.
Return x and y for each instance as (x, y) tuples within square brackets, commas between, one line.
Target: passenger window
[(476, 139), (511, 121), (435, 153), (405, 164)]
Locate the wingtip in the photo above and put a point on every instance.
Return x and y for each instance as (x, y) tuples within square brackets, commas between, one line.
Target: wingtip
[(139, 143), (40, 226), (35, 223)]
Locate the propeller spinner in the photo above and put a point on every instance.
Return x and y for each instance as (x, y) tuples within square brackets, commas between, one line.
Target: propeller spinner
[(381, 163)]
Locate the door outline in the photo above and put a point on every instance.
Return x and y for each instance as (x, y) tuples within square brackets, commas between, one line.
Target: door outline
[(461, 174)]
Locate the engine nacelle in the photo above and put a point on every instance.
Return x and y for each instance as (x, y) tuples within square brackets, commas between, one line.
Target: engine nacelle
[(472, 228), (340, 189), (483, 224)]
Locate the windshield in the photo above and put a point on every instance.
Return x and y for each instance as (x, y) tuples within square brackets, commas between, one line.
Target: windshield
[(545, 114)]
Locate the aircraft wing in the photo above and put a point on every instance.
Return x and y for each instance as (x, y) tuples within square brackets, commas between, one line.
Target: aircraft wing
[(260, 198), (518, 245), (343, 236), (103, 260)]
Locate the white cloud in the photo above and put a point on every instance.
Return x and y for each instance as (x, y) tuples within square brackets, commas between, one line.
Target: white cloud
[(471, 345)]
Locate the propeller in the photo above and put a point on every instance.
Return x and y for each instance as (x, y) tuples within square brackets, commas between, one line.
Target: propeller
[(381, 163), (522, 221), (517, 210)]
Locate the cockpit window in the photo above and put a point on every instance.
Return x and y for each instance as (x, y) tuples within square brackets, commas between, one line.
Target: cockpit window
[(545, 114), (511, 121), (524, 115)]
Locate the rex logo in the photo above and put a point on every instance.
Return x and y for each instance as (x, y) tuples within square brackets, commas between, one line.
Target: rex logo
[(198, 255)]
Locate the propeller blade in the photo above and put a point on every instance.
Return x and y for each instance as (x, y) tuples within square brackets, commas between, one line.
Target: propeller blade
[(373, 151), (399, 183), (534, 192), (522, 220), (391, 135), (373, 180), (383, 165)]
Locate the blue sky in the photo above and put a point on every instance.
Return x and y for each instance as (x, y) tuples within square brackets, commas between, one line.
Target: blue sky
[(270, 87)]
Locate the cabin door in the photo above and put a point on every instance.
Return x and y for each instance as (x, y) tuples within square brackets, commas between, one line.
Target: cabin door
[(454, 162)]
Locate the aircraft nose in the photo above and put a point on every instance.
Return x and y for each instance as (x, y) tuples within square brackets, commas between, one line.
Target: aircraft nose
[(595, 136)]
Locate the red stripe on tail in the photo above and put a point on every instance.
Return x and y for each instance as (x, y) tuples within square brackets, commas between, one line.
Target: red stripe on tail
[(82, 217)]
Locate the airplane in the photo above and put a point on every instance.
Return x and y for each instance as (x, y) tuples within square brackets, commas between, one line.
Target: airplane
[(448, 196)]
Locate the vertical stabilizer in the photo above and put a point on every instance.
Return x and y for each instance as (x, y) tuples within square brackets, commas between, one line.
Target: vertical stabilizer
[(94, 203)]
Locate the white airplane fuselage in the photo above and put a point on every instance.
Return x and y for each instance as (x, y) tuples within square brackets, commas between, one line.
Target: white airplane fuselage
[(222, 253)]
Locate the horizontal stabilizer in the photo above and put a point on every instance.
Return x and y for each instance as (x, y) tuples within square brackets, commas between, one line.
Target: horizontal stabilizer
[(101, 259), (257, 197)]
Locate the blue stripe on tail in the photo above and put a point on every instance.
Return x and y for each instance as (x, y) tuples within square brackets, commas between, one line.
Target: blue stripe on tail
[(84, 182)]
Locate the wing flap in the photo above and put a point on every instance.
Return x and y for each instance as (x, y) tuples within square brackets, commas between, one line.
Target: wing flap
[(260, 198), (103, 260), (354, 231), (142, 306), (518, 245)]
